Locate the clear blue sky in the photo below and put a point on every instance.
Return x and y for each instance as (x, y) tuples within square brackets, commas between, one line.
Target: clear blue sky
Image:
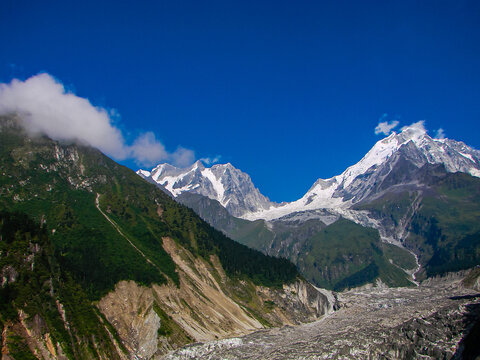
[(286, 91)]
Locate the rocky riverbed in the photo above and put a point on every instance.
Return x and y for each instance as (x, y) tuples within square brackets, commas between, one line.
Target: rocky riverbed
[(431, 321)]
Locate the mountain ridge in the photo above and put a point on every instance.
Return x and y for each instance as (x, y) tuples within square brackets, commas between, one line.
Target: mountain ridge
[(231, 187), (126, 244), (342, 191), (398, 189), (361, 179)]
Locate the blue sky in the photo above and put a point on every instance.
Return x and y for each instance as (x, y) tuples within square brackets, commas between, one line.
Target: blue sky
[(286, 91)]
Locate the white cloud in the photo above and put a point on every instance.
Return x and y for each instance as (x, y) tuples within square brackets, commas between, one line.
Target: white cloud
[(210, 160), (386, 127), (46, 107), (440, 134), (419, 126), (182, 157), (147, 150)]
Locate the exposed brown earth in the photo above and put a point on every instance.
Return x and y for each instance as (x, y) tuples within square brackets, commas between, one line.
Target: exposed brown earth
[(206, 306)]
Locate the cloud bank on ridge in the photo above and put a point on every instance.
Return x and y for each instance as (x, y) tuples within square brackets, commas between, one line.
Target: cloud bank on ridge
[(46, 107)]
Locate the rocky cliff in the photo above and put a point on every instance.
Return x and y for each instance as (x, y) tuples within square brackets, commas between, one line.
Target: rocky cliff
[(206, 306)]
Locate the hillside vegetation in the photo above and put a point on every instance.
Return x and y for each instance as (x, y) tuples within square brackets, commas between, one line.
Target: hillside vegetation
[(441, 217), (51, 304), (58, 184), (339, 256), (346, 255)]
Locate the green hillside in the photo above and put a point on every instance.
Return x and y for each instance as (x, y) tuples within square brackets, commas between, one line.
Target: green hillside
[(338, 256), (253, 234), (36, 284), (345, 255), (444, 229), (58, 184)]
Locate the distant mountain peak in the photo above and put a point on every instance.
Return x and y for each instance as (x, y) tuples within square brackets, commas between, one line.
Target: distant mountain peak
[(198, 165), (413, 131), (232, 188), (366, 177), (144, 173)]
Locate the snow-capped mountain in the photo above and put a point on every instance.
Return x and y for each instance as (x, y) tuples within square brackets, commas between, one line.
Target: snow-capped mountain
[(373, 172), (232, 188), (395, 195)]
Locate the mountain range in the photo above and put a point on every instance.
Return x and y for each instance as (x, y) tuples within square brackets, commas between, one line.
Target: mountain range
[(96, 263), (234, 190), (399, 204)]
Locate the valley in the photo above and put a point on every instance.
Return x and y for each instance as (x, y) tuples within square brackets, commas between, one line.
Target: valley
[(99, 262), (410, 206), (427, 322), (240, 180)]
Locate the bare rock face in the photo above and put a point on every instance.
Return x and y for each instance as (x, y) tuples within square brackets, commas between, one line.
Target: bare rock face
[(31, 333), (130, 310), (472, 279), (8, 274), (300, 301), (206, 306)]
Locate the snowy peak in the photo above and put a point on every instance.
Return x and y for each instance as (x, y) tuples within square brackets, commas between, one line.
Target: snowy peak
[(232, 188), (381, 151), (366, 177), (415, 132), (144, 173), (414, 144)]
